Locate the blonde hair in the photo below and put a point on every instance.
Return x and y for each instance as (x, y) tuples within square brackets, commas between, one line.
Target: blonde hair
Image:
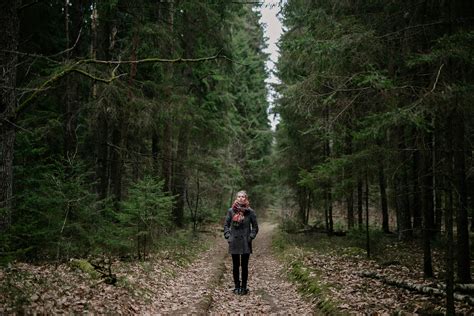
[(242, 192)]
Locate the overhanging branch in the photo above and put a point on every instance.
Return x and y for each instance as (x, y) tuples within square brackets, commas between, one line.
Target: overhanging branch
[(75, 67), (151, 60)]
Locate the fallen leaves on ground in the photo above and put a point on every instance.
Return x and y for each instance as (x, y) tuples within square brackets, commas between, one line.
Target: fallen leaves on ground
[(270, 290), (56, 289), (356, 294), (161, 285)]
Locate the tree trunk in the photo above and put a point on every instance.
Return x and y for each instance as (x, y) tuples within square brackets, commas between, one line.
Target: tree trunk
[(383, 199), (449, 227), (308, 207), (350, 209), (167, 150), (116, 164), (179, 188), (459, 172), (448, 217), (405, 230), (367, 231), (326, 211), (120, 131), (359, 202), (74, 15), (155, 145), (427, 207), (9, 24), (329, 209), (437, 178), (7, 142), (70, 113), (167, 14), (105, 47), (328, 185), (397, 203), (349, 176), (416, 192), (102, 156), (301, 204)]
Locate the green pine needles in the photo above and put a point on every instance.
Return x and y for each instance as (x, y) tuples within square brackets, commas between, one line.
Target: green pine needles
[(146, 214)]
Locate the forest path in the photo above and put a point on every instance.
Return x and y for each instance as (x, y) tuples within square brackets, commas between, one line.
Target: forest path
[(205, 287), (270, 291)]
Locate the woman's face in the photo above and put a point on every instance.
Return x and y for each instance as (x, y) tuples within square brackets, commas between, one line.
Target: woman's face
[(241, 198)]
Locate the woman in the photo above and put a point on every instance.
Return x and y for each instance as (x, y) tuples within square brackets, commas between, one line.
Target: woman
[(240, 228)]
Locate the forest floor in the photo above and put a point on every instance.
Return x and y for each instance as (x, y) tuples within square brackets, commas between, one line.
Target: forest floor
[(321, 282), (157, 286), (270, 290), (336, 272)]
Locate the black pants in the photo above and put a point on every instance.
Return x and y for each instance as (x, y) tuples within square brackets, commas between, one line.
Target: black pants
[(237, 262)]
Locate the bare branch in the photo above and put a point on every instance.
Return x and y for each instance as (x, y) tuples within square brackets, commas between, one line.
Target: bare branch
[(152, 60), (409, 28), (343, 110), (30, 55), (16, 126), (29, 4), (75, 68), (67, 50), (437, 78), (95, 78)]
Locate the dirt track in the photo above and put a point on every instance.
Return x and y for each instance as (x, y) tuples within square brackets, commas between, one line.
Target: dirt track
[(270, 292), (205, 287)]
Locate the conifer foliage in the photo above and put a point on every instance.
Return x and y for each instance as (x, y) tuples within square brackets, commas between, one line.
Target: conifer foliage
[(113, 111), (376, 115)]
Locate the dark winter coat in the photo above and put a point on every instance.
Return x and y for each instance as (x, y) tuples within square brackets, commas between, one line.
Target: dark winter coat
[(240, 237)]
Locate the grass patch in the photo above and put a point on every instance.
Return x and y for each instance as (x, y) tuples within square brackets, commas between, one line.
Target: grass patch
[(309, 284), (305, 277)]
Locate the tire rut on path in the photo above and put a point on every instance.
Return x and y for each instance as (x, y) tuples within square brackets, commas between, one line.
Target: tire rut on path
[(270, 292), (190, 291)]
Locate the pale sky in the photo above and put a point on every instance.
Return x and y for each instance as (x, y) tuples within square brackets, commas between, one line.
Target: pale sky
[(273, 30)]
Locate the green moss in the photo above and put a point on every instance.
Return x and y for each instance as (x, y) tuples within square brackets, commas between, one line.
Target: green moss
[(309, 284), (85, 267), (354, 252)]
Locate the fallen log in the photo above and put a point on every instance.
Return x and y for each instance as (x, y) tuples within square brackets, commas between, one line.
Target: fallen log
[(98, 268), (104, 267), (313, 230), (460, 287), (416, 287)]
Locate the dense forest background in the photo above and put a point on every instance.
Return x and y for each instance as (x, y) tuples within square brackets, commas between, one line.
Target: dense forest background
[(122, 121), (376, 118)]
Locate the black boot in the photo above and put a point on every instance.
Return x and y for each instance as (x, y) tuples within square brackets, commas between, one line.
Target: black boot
[(236, 290), (244, 290)]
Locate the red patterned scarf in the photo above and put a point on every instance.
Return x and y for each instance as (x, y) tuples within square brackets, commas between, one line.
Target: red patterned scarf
[(239, 211)]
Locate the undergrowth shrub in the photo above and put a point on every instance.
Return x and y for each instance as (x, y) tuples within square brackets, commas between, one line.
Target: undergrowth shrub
[(146, 215), (57, 216), (55, 213), (290, 224)]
